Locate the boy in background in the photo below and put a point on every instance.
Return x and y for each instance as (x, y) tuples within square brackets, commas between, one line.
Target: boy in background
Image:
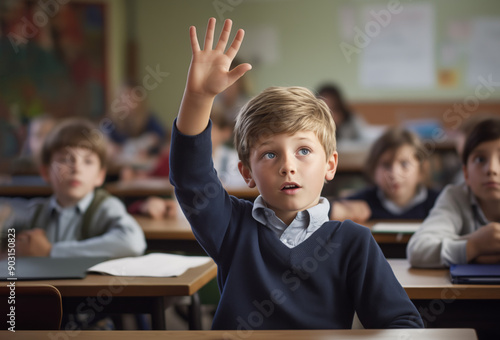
[(281, 263), (464, 225), (78, 219)]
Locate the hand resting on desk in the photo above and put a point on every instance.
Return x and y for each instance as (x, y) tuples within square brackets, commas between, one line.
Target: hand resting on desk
[(33, 242), (356, 210), (159, 208)]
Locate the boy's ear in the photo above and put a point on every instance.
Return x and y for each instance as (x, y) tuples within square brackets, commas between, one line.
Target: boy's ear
[(101, 176), (247, 175), (331, 166)]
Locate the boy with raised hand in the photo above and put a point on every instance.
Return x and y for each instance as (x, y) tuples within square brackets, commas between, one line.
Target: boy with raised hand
[(78, 219), (281, 263)]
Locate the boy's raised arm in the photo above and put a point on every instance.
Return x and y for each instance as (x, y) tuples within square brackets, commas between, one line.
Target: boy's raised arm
[(208, 76)]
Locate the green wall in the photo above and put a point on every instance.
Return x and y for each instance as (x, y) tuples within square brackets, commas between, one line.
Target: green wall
[(308, 44)]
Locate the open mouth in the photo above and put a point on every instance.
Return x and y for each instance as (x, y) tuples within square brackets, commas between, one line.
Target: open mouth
[(290, 186)]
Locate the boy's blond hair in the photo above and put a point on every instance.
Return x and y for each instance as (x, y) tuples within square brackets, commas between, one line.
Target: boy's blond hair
[(278, 110), (74, 132)]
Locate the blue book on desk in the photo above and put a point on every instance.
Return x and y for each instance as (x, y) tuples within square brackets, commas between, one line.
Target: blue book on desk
[(475, 273)]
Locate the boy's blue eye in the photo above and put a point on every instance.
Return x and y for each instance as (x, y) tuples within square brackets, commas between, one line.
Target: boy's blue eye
[(269, 155), (479, 159), (304, 152)]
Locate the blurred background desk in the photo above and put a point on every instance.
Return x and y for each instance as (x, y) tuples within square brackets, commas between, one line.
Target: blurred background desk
[(393, 243), (169, 235), (175, 234), (446, 305)]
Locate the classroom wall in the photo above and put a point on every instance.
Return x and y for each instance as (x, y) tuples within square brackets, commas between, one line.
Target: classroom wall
[(301, 46)]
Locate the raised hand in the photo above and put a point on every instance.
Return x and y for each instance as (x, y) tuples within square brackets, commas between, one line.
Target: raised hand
[(209, 71), (208, 76)]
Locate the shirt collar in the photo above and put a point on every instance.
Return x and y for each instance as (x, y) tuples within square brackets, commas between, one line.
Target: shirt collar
[(79, 207), (313, 217), (420, 197)]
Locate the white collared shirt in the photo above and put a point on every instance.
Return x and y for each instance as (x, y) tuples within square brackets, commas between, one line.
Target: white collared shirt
[(305, 223), (420, 197), (68, 217)]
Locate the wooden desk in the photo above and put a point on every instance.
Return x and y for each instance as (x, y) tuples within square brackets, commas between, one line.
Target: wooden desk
[(115, 294), (169, 235), (140, 188), (25, 191), (162, 187), (436, 284), (393, 244), (446, 305), (165, 229), (337, 334)]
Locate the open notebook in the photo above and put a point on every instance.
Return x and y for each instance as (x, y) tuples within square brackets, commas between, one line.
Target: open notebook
[(396, 227), (46, 268), (475, 273), (154, 265)]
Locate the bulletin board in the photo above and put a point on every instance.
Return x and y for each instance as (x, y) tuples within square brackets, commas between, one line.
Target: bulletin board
[(53, 58)]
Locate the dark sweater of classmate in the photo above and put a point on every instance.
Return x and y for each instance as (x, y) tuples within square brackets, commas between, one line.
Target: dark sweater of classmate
[(382, 209), (264, 284)]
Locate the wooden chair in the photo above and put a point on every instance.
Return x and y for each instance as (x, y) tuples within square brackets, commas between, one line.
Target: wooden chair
[(37, 307)]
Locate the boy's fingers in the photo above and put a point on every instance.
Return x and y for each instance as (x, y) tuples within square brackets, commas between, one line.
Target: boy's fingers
[(209, 35), (239, 71), (195, 46), (235, 46), (224, 35)]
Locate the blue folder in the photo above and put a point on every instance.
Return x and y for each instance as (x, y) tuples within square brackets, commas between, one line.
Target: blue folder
[(475, 273), (48, 268)]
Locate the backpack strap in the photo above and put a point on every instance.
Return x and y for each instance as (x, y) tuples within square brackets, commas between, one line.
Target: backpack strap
[(99, 196), (40, 208)]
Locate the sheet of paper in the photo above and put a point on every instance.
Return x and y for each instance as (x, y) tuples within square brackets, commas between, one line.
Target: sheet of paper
[(396, 227), (398, 51), (154, 265), (484, 51)]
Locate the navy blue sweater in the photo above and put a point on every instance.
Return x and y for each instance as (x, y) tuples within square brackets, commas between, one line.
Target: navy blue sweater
[(379, 212), (319, 284)]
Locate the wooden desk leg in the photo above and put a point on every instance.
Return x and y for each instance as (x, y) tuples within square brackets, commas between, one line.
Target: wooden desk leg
[(195, 312), (158, 315)]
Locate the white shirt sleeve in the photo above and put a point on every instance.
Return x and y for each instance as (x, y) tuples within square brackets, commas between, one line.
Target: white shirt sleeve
[(117, 234), (438, 242)]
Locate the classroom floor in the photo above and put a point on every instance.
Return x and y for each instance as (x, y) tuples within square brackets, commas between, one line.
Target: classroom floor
[(175, 317)]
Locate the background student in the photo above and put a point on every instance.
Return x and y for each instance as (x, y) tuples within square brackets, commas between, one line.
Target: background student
[(28, 160), (349, 125), (137, 135), (464, 226), (225, 160), (265, 250), (78, 219), (396, 165)]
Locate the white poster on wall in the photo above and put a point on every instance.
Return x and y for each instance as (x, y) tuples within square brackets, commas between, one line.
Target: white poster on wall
[(399, 48), (484, 52)]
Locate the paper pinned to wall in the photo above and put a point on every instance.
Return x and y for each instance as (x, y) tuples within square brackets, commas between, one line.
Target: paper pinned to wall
[(261, 45), (400, 48), (484, 51)]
